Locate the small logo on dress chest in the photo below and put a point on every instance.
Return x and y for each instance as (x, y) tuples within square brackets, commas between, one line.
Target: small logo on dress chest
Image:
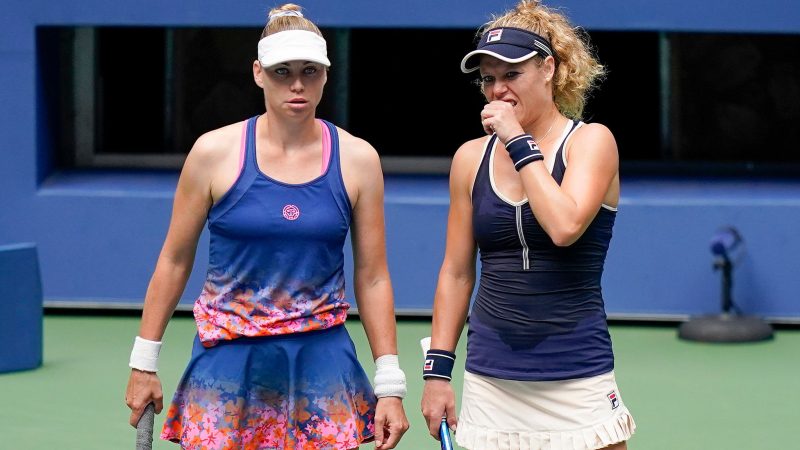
[(291, 212)]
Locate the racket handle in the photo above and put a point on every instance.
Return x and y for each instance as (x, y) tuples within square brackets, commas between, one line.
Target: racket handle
[(425, 344), (144, 428), (444, 435)]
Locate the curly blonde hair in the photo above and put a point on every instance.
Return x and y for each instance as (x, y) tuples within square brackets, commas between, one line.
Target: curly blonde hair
[(288, 22), (577, 70)]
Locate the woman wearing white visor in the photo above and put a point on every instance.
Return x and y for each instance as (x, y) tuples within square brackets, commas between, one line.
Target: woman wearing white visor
[(538, 198), (272, 366)]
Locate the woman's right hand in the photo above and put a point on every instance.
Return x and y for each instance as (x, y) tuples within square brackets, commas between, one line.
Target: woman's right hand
[(143, 388), (438, 400)]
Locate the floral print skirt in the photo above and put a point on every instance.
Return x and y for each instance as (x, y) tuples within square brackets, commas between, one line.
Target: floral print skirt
[(296, 391)]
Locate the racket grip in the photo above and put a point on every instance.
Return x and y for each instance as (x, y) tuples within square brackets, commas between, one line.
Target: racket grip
[(444, 435), (144, 428)]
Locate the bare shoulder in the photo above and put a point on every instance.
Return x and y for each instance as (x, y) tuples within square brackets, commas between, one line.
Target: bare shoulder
[(471, 150), (216, 145), (467, 158), (594, 135), (357, 151)]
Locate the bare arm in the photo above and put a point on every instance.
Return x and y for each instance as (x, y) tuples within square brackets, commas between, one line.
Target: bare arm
[(454, 288), (191, 204), (189, 210), (566, 211), (457, 274), (373, 287)]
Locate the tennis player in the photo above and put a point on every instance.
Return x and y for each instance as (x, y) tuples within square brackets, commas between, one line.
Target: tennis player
[(273, 366), (538, 197)]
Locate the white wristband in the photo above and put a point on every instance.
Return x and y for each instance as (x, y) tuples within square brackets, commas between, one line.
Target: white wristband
[(144, 355), (390, 380)]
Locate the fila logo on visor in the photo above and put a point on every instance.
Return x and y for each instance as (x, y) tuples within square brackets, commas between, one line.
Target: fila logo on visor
[(494, 35)]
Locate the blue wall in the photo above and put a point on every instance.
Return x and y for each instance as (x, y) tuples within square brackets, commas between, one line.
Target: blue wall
[(99, 234), (780, 16)]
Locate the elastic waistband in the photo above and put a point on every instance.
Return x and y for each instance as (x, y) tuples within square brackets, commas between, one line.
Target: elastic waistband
[(248, 340)]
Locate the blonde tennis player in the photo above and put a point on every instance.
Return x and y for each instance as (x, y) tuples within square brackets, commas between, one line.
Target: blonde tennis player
[(538, 197), (273, 366)]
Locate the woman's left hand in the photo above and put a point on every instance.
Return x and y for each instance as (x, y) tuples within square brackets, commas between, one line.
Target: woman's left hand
[(499, 117), (390, 422)]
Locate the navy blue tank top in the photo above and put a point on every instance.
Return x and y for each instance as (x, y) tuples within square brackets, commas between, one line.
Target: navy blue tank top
[(538, 314), (276, 260)]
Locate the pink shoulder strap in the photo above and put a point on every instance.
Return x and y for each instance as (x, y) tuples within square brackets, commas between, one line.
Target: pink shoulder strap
[(326, 146)]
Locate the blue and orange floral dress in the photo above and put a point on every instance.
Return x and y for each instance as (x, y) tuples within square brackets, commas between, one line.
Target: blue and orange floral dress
[(272, 366)]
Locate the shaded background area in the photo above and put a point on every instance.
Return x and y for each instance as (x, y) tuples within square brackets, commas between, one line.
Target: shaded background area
[(102, 102), (101, 105)]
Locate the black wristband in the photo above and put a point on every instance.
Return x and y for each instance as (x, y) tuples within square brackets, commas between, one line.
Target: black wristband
[(438, 364), (523, 150)]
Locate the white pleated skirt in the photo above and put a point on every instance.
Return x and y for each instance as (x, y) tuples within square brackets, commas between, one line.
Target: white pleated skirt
[(578, 414)]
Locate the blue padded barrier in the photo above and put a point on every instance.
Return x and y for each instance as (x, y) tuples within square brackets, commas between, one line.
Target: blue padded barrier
[(20, 308)]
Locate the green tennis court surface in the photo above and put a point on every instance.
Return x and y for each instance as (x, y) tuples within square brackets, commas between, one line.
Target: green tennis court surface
[(683, 395)]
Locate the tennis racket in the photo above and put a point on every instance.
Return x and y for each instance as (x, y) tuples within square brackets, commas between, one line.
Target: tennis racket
[(144, 428), (444, 430)]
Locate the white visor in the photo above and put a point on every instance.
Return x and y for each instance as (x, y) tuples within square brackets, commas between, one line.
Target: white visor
[(292, 45)]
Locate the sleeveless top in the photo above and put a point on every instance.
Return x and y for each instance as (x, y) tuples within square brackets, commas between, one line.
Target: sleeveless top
[(276, 261), (538, 314)]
